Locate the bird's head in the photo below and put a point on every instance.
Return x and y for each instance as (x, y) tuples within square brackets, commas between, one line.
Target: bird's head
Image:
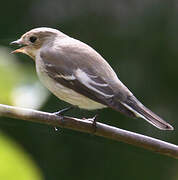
[(34, 39)]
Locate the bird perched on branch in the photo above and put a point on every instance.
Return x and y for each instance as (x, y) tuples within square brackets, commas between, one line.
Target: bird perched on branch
[(77, 74)]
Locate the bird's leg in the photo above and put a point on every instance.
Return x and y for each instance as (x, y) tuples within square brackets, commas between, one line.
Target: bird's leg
[(62, 112)]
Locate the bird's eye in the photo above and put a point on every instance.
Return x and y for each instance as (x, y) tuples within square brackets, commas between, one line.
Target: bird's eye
[(32, 39)]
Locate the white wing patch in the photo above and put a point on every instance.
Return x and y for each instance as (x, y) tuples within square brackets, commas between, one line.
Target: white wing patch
[(85, 79), (49, 64), (72, 77)]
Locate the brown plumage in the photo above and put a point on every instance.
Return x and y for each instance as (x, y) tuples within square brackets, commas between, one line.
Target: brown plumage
[(77, 74)]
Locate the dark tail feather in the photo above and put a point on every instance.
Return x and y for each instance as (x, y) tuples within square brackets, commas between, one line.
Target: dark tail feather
[(141, 111)]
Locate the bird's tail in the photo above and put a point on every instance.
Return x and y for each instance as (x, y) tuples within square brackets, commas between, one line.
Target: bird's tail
[(141, 111)]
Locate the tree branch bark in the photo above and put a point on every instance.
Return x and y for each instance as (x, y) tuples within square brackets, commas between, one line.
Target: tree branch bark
[(86, 126)]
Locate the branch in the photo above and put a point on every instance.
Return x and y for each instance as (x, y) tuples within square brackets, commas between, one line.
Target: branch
[(86, 126)]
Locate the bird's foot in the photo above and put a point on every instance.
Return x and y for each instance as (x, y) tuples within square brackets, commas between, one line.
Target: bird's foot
[(62, 112), (94, 120)]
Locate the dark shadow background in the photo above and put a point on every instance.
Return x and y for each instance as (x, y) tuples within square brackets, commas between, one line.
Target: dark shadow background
[(139, 39)]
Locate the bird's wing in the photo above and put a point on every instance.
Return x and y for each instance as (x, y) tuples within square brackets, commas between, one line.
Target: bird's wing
[(80, 79), (83, 70)]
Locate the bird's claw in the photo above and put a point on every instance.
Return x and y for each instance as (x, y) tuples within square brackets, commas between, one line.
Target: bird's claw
[(94, 120)]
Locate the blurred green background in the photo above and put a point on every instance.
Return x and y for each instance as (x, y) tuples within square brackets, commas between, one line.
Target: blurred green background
[(139, 39)]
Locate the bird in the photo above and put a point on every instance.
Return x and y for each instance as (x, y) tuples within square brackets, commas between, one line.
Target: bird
[(77, 74)]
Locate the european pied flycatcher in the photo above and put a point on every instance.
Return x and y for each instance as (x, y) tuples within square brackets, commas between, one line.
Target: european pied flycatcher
[(77, 74)]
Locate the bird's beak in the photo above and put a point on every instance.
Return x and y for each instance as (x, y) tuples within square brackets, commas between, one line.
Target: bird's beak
[(20, 43), (17, 42)]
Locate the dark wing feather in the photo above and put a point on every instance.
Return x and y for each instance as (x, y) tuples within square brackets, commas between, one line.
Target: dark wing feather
[(56, 73)]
